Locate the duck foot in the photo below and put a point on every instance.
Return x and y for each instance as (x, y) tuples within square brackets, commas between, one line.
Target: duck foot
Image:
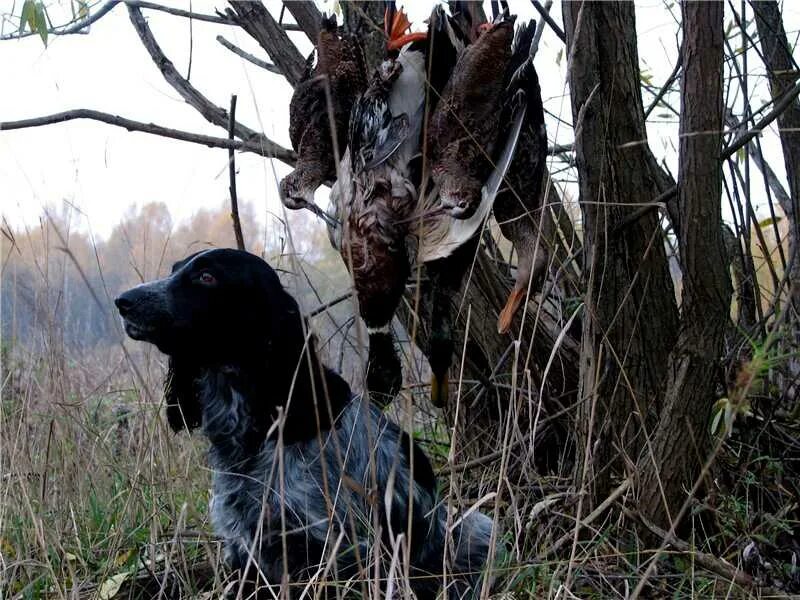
[(513, 303)]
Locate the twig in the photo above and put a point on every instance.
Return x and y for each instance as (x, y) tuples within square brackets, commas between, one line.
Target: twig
[(331, 303), (267, 149), (549, 20), (776, 111), (664, 89), (237, 224), (591, 517), (741, 141), (307, 16), (537, 35), (249, 57), (75, 27), (256, 20), (80, 25), (179, 12)]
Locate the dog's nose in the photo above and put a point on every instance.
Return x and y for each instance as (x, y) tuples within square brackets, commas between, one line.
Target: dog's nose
[(124, 304)]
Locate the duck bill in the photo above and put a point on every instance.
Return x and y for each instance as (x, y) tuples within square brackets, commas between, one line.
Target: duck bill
[(440, 390)]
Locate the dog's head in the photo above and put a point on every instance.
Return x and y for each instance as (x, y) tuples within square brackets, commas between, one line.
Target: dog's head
[(222, 309), (215, 304)]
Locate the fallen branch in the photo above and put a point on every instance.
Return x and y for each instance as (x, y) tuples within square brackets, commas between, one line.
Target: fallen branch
[(588, 520), (707, 561), (259, 145)]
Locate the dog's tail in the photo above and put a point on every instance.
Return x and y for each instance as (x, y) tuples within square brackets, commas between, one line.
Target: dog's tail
[(471, 541), (462, 548)]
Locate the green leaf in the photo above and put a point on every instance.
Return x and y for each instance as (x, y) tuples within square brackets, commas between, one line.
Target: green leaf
[(27, 16), (715, 422), (769, 222), (41, 22), (559, 56), (34, 16)]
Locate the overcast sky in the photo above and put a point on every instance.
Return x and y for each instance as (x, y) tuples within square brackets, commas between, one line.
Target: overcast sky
[(102, 169)]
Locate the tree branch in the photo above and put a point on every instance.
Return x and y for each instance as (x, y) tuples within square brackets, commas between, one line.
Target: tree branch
[(780, 106), (256, 20), (249, 57), (253, 145), (549, 20), (179, 12), (213, 113), (237, 223), (80, 25), (307, 16)]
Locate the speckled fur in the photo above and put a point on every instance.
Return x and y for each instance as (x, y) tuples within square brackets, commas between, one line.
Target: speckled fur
[(318, 500), (310, 483)]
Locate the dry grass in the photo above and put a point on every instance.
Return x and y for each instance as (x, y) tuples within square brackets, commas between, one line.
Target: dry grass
[(100, 499)]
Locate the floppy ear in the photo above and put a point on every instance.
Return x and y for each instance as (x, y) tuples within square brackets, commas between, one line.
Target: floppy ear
[(183, 407)]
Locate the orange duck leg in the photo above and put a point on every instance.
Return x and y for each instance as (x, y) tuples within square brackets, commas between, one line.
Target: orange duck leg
[(396, 30)]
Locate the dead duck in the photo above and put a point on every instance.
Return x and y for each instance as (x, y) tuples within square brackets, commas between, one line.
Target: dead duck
[(376, 193), (517, 205), (340, 68), (464, 127)]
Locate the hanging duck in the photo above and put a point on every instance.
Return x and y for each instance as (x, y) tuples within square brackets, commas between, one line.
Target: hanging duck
[(463, 131), (338, 77), (376, 193), (518, 205), (462, 135)]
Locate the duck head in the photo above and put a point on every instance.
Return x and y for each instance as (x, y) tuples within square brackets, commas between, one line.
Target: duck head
[(459, 192), (297, 189)]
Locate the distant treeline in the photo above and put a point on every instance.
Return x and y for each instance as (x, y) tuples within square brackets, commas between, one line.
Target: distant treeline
[(58, 283)]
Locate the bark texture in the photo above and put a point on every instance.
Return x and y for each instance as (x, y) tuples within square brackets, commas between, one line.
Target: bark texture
[(630, 314), (680, 442)]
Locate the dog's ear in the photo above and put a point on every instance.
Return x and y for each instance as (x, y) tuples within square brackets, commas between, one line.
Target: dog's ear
[(183, 407)]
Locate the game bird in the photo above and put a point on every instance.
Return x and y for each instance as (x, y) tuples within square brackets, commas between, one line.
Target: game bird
[(518, 204), (319, 114)]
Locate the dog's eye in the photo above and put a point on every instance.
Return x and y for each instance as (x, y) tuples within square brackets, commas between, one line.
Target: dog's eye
[(207, 279)]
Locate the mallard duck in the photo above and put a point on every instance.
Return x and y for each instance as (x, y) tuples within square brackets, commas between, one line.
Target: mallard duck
[(341, 69), (517, 204), (464, 127), (376, 193)]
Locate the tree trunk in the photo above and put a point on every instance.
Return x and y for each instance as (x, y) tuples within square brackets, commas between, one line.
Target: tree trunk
[(630, 314), (680, 442)]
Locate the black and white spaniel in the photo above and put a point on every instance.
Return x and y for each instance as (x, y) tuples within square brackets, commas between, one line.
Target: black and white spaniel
[(311, 483)]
